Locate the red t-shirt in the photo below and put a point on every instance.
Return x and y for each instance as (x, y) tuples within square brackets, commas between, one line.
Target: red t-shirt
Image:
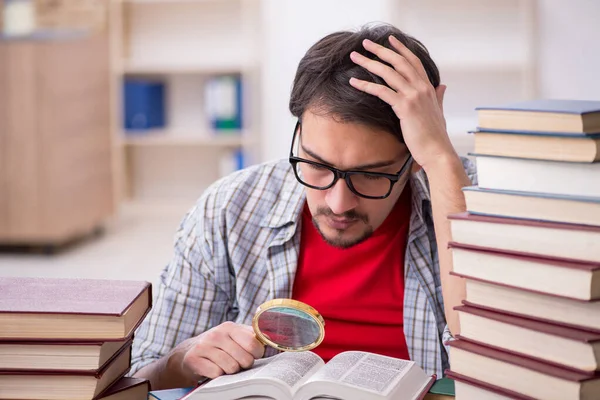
[(359, 291)]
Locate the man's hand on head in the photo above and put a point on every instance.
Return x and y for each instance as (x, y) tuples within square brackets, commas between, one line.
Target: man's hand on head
[(418, 105)]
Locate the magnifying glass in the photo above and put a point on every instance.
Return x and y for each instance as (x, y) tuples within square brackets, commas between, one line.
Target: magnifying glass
[(288, 325)]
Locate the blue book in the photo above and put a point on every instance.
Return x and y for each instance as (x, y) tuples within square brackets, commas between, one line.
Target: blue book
[(169, 394), (543, 115)]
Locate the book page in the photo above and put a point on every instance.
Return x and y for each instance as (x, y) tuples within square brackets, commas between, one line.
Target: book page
[(224, 380), (293, 369), (366, 371)]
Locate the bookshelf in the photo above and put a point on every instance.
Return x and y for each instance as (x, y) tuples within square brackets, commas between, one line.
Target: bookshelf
[(183, 44), (55, 143), (171, 138), (485, 51)]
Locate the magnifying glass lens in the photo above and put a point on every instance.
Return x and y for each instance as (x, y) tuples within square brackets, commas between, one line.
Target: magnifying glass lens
[(289, 327)]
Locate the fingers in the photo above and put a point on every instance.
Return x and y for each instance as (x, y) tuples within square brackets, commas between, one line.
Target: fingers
[(414, 61), (245, 338), (225, 349), (209, 363), (388, 74), (400, 63), (407, 77), (245, 359), (383, 92)]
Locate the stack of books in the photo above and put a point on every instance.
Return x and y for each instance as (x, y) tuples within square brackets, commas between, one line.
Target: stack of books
[(70, 339), (529, 250)]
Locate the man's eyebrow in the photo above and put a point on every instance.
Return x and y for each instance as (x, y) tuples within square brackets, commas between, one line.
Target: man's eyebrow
[(379, 164)]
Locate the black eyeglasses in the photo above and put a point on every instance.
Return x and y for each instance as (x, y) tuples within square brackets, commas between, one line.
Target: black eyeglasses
[(370, 185)]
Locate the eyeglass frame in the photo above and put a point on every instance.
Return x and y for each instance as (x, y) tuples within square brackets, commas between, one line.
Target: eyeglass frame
[(345, 175)]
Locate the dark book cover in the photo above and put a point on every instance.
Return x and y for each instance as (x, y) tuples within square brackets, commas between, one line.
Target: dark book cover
[(123, 384)]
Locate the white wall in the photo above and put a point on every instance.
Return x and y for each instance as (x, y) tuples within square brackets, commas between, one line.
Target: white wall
[(569, 59), (290, 28), (568, 34)]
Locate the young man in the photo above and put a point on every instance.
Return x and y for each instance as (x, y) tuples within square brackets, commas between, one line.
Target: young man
[(354, 223)]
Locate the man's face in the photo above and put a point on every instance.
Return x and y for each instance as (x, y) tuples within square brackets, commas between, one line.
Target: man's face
[(343, 218)]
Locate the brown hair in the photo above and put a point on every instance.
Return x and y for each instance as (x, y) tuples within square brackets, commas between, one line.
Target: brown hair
[(321, 81)]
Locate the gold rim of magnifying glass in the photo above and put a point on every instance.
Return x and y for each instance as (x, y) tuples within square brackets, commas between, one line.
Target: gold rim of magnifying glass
[(297, 305)]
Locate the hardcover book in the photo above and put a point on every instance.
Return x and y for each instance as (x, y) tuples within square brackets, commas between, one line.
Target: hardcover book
[(546, 115), (71, 309)]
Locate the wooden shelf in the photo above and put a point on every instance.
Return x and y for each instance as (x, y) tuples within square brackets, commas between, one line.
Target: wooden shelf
[(136, 68), (481, 66), (170, 1), (171, 138), (48, 35)]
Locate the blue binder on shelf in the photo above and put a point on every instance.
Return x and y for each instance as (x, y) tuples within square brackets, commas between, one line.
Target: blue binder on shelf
[(144, 102)]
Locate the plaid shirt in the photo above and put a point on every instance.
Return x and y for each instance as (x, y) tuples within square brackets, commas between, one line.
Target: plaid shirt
[(238, 247)]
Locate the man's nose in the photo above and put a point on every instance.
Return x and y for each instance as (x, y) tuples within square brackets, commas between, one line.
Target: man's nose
[(340, 199)]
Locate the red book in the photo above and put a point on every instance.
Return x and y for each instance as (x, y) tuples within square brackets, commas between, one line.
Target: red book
[(562, 240), (472, 389), (525, 376), (36, 385), (59, 356), (551, 275), (532, 304), (71, 309), (551, 343)]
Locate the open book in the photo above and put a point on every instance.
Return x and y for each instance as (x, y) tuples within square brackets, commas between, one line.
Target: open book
[(350, 375)]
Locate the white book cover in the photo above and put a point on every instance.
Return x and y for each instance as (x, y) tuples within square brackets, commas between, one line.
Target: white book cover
[(549, 177)]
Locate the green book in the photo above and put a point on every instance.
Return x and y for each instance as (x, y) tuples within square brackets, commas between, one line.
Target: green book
[(444, 387)]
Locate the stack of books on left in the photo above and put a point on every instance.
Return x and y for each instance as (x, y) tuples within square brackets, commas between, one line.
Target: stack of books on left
[(70, 339), (529, 250)]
